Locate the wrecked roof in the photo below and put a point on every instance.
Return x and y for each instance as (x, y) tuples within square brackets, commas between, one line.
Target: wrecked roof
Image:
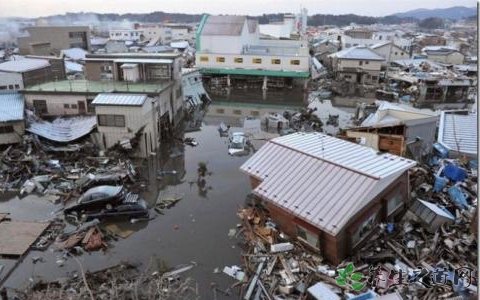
[(224, 25), (390, 114), (358, 52), (459, 132), (64, 130), (321, 179), (23, 65), (74, 53), (120, 99), (11, 108)]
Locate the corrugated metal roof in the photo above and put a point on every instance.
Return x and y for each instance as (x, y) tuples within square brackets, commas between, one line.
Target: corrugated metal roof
[(143, 61), (459, 132), (120, 99), (23, 65), (64, 130), (358, 52), (224, 25), (11, 106), (320, 179)]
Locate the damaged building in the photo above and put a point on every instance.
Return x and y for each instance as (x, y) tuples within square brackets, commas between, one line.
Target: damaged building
[(355, 67), (231, 53), (397, 129), (458, 133), (157, 75), (125, 119), (326, 192), (12, 124)]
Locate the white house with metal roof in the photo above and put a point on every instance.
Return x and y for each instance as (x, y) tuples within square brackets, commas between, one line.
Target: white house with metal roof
[(390, 51), (458, 132), (16, 74), (327, 192), (358, 64), (130, 120), (12, 125)]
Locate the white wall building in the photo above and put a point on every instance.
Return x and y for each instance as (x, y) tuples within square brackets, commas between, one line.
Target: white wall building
[(11, 81), (12, 125), (390, 51), (231, 45)]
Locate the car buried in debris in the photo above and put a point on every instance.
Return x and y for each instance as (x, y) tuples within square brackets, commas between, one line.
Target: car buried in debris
[(107, 201)]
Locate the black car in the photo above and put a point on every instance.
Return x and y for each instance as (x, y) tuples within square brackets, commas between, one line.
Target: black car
[(108, 202)]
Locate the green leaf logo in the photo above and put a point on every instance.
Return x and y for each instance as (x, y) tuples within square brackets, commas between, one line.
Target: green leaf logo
[(348, 277)]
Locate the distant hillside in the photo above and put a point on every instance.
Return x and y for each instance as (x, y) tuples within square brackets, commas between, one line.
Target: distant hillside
[(344, 20), (454, 13)]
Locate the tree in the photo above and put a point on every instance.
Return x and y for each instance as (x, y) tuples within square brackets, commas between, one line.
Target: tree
[(432, 23)]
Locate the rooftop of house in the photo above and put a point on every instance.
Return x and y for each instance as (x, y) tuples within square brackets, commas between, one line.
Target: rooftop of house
[(113, 56), (89, 86), (112, 99), (321, 179), (358, 53), (458, 131), (23, 65)]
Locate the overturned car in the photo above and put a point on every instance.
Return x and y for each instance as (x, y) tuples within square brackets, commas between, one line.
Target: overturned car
[(108, 202)]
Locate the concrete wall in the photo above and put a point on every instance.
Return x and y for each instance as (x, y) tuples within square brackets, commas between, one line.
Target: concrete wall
[(395, 54), (9, 80), (57, 36), (56, 103), (373, 65), (125, 35), (247, 63), (13, 137), (371, 139)]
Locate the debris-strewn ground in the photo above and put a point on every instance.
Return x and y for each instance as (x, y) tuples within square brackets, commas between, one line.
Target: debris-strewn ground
[(434, 263), (120, 282)]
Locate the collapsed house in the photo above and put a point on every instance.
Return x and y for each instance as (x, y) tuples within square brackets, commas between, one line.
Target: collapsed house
[(12, 125), (125, 119), (444, 54), (327, 192), (458, 133), (397, 129)]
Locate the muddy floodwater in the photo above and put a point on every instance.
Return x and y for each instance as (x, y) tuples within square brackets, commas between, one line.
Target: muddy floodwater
[(194, 230)]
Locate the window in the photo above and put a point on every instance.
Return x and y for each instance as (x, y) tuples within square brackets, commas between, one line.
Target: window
[(76, 34), (6, 129), (238, 60), (347, 76), (17, 87), (3, 87), (73, 106), (276, 61), (237, 112), (295, 62), (394, 203), (360, 63), (10, 86), (111, 120), (220, 111), (66, 105), (364, 228), (204, 58), (255, 113), (106, 69), (374, 78), (40, 106), (257, 60), (220, 59), (367, 62), (308, 237), (396, 53)]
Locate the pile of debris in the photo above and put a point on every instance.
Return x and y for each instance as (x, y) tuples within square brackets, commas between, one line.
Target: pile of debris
[(27, 168), (119, 282), (430, 253)]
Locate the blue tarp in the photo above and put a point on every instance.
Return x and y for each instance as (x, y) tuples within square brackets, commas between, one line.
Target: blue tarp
[(439, 184), (454, 173)]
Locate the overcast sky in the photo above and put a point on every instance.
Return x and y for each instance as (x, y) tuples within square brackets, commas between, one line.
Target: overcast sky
[(35, 8)]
